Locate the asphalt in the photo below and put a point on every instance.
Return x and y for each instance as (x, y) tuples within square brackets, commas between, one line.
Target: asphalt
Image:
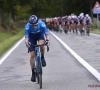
[(63, 71)]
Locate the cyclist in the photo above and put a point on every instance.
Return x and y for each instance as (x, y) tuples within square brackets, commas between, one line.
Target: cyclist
[(87, 21), (76, 23), (81, 22), (34, 31)]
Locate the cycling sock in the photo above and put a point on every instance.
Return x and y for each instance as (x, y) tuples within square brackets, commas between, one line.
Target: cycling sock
[(33, 72), (42, 56)]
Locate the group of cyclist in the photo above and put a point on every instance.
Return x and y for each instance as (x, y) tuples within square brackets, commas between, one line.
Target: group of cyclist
[(71, 23)]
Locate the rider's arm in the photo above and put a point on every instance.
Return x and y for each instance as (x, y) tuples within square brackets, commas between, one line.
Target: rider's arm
[(90, 20), (26, 40), (26, 33), (47, 37)]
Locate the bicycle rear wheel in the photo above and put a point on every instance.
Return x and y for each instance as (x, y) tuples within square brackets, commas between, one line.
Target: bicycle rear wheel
[(39, 72), (88, 32)]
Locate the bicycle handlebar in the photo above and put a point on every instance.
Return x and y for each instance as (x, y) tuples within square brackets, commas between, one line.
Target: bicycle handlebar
[(38, 45)]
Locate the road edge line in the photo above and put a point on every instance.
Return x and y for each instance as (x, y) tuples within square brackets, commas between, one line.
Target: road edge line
[(10, 51), (78, 58)]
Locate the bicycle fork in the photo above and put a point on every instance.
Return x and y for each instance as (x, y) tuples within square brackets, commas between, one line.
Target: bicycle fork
[(38, 61)]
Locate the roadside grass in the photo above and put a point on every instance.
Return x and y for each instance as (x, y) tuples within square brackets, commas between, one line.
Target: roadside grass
[(8, 40), (94, 28), (4, 36), (96, 31)]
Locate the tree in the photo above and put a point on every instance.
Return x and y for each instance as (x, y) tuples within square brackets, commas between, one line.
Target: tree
[(1, 11)]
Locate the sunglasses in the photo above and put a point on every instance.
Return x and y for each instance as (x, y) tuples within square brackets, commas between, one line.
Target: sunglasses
[(35, 24)]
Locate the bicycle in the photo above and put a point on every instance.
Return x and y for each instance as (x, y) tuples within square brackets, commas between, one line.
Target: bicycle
[(38, 65), (88, 30)]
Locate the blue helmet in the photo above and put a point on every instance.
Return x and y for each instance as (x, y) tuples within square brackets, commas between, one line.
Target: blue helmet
[(33, 19)]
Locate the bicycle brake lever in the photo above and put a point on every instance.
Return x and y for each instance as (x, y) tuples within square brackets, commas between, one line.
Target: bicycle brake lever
[(28, 50), (47, 48)]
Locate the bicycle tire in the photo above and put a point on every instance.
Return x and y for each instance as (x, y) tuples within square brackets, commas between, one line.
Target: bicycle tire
[(81, 32), (40, 80), (88, 32), (37, 76), (39, 72)]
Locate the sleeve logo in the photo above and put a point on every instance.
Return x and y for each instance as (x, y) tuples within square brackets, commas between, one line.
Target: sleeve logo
[(27, 27), (43, 25)]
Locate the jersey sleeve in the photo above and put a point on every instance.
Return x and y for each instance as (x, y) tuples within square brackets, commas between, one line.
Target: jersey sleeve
[(26, 31), (45, 29)]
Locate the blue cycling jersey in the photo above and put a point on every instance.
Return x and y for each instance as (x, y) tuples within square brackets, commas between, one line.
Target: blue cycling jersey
[(76, 21), (40, 28), (87, 21)]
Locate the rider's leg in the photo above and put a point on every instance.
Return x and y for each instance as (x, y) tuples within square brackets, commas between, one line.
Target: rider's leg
[(32, 59), (76, 28), (81, 29), (33, 41), (73, 27), (42, 48), (32, 64)]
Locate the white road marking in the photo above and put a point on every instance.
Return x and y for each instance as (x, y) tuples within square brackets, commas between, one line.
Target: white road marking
[(82, 61), (10, 51)]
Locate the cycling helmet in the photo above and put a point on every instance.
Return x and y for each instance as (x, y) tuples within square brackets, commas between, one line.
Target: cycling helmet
[(69, 17), (87, 15), (82, 14), (33, 19)]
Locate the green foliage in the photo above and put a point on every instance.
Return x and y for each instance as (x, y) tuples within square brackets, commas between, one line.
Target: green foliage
[(94, 25), (22, 9), (8, 41)]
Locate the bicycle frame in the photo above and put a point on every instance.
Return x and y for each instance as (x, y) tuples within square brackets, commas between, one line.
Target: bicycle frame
[(38, 65), (38, 54)]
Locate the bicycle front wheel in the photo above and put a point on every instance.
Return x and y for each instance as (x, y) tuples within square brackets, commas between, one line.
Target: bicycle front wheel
[(40, 80), (39, 72)]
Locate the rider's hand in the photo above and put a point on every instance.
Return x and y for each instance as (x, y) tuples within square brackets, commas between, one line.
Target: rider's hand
[(47, 42), (27, 44)]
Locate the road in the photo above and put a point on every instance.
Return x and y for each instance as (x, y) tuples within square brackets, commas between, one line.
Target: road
[(63, 71)]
